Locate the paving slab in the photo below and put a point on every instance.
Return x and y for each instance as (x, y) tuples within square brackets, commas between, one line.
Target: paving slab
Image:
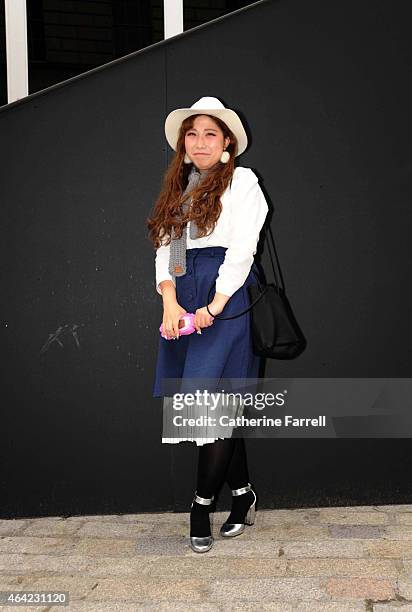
[(343, 559)]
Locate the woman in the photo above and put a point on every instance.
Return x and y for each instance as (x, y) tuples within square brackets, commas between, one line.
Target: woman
[(205, 227)]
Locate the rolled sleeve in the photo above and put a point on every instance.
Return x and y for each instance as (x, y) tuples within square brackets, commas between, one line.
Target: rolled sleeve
[(162, 266), (248, 216)]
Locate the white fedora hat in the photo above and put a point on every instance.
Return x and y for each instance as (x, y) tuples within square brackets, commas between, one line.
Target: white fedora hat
[(205, 106)]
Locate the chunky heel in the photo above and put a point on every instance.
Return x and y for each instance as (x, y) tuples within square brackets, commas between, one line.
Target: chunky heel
[(229, 529), (250, 517)]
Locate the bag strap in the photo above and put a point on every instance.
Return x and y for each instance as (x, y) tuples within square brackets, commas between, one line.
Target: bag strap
[(277, 285), (243, 311), (262, 292)]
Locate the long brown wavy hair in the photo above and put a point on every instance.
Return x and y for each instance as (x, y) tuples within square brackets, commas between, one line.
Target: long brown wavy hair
[(206, 205)]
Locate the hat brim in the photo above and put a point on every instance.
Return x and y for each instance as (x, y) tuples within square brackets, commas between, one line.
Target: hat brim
[(232, 120)]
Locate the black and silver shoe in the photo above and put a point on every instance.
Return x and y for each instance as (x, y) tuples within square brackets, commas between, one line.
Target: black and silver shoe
[(234, 525), (200, 524)]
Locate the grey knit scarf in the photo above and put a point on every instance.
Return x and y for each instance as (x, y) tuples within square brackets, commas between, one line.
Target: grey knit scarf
[(178, 246)]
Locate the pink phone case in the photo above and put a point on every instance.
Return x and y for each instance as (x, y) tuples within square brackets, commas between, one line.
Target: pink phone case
[(186, 325)]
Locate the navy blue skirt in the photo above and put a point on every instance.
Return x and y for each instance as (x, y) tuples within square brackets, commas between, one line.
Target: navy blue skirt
[(222, 350)]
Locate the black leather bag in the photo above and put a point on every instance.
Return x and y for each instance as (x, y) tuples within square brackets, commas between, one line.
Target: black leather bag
[(275, 331)]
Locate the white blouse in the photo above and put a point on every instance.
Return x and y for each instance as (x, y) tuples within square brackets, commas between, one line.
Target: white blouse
[(244, 210)]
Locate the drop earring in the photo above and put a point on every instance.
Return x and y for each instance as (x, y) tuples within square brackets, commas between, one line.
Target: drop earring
[(187, 159), (224, 158)]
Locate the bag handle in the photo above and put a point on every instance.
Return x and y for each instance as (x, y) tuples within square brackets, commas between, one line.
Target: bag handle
[(277, 286)]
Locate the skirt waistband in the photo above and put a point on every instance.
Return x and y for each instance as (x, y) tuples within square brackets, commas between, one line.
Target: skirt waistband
[(215, 251)]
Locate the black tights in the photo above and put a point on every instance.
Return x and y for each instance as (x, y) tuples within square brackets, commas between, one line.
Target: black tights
[(220, 461)]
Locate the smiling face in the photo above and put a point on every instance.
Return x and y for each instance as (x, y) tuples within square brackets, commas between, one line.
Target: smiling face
[(204, 142)]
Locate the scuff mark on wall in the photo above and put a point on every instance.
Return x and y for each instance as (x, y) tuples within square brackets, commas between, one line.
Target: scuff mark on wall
[(62, 330)]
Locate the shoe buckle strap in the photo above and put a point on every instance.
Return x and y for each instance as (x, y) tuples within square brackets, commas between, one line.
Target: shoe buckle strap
[(242, 490), (206, 501)]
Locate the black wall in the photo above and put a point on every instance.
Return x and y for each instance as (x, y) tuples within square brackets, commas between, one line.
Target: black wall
[(325, 93)]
